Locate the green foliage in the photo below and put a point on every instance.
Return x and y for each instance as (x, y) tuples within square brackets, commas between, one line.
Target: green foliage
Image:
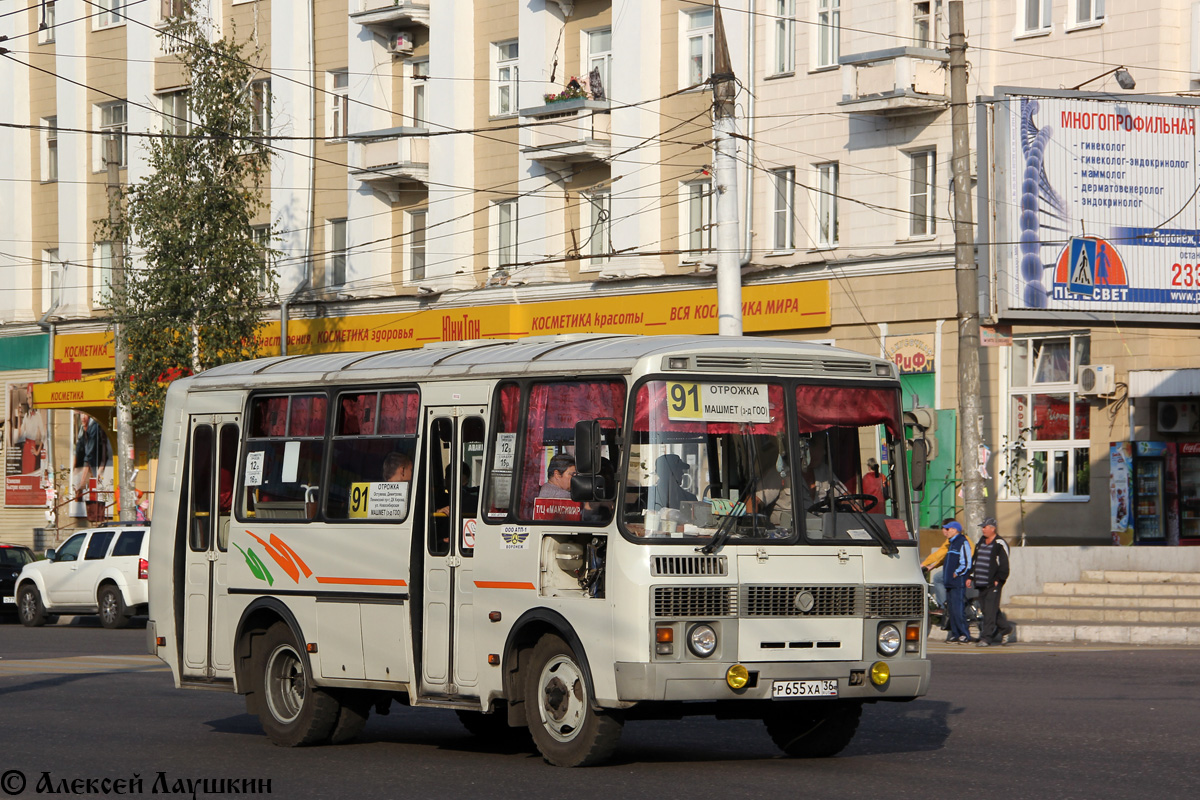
[(194, 287)]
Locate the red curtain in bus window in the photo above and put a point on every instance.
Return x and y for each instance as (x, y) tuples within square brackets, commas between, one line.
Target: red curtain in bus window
[(652, 399), (556, 407), (510, 407), (356, 414), (307, 416), (821, 407), (270, 416), (398, 413)]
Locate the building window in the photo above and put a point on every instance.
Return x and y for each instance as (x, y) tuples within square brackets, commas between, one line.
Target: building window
[(107, 12), (46, 33), (829, 32), (599, 45), (697, 219), (921, 195), (784, 40), (504, 234), (175, 113), (698, 41), (170, 9), (596, 241), (420, 76), (336, 256), (1088, 12), (52, 279), (337, 108), (783, 211), (507, 77), (113, 123), (1037, 15), (260, 107), (1049, 428), (262, 240), (927, 23), (50, 148), (416, 245), (102, 275), (827, 205)]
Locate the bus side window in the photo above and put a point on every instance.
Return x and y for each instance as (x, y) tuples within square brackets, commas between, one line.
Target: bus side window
[(282, 465), (372, 454), (470, 474)]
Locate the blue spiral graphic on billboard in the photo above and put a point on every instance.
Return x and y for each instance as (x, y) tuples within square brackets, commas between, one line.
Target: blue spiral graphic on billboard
[(1043, 213)]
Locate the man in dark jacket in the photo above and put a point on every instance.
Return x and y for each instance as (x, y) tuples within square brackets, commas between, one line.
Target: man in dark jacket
[(988, 577)]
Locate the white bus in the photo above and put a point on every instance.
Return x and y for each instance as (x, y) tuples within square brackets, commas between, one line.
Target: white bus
[(560, 533)]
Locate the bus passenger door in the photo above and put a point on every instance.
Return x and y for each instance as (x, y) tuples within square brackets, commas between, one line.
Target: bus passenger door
[(451, 475), (212, 462)]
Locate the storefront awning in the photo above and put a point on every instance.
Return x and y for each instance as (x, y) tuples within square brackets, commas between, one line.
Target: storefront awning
[(1164, 382), (94, 391)]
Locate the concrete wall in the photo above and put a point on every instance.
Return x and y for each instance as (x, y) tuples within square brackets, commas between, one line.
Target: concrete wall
[(1034, 566)]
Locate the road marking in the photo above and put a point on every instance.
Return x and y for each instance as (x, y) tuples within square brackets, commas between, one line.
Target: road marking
[(81, 665)]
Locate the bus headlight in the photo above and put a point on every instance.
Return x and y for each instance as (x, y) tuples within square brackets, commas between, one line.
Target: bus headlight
[(889, 639), (702, 640)]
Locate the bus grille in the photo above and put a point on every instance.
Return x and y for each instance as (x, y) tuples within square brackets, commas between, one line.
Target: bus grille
[(785, 365), (781, 601), (689, 565), (695, 601), (894, 602)]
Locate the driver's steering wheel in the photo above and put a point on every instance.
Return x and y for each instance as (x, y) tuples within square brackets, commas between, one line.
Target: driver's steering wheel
[(845, 502)]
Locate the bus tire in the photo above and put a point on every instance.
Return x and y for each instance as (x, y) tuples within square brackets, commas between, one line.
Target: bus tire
[(113, 613), (30, 608), (352, 715), (814, 729), (567, 730), (293, 712)]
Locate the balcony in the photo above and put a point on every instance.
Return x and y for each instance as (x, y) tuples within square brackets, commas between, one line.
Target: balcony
[(895, 82), (569, 132), (393, 158), (386, 18)]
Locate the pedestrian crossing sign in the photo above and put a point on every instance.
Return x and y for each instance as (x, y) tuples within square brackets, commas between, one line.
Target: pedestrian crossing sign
[(1082, 267)]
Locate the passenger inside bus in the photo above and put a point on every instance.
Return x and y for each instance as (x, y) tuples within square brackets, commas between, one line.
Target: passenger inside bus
[(559, 472), (667, 492), (397, 468)]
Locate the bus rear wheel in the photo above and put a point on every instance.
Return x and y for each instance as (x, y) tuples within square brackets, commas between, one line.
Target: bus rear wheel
[(567, 729), (293, 712), (814, 729)]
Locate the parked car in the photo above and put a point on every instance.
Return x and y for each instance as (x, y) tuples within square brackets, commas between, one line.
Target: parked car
[(100, 571), (12, 558)]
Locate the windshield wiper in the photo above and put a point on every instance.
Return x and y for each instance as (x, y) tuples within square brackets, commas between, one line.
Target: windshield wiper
[(877, 531), (725, 529)]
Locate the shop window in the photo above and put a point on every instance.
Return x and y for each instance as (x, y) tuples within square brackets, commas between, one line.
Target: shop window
[(281, 474), (1047, 449)]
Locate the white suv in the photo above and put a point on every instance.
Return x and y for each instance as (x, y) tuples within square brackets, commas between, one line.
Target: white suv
[(100, 571)]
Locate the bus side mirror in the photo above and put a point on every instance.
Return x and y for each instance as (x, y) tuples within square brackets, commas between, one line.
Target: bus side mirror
[(588, 488), (587, 446), (920, 459)]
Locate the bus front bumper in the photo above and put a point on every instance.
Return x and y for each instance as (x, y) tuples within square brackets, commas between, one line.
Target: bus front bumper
[(706, 680)]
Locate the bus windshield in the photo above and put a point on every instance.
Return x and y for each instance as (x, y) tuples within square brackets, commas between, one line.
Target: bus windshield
[(728, 460)]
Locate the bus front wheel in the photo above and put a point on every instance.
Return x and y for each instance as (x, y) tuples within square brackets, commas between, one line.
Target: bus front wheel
[(566, 728), (813, 729), (292, 711)]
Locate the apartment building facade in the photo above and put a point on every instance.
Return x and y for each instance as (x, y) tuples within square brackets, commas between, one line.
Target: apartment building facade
[(447, 169)]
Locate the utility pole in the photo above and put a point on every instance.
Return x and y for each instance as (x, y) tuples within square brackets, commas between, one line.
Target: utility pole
[(970, 418), (112, 157), (729, 270)]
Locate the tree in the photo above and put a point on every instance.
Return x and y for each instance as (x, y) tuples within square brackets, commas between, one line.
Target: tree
[(196, 280)]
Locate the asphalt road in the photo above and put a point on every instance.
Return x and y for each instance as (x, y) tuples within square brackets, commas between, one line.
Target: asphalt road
[(81, 702)]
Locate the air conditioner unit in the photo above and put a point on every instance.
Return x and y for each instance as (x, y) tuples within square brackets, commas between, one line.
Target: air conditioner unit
[(1177, 417), (1097, 379), (400, 43)]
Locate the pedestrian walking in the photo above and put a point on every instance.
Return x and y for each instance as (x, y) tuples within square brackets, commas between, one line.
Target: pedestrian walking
[(988, 577), (933, 565), (956, 569)]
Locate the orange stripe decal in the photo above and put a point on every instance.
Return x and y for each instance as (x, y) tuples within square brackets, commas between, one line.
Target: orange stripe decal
[(362, 581), (503, 585)]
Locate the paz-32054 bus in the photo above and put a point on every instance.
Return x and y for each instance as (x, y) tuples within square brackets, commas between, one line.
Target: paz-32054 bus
[(559, 533)]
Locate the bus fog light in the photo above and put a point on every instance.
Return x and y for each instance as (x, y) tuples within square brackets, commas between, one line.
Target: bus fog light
[(737, 676), (880, 673), (889, 639), (702, 640)]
